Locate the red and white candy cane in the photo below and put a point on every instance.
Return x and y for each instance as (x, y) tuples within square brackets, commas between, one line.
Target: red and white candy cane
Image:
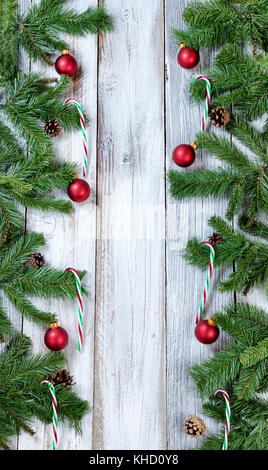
[(208, 278), (83, 129), (208, 94), (54, 412), (228, 415), (80, 310)]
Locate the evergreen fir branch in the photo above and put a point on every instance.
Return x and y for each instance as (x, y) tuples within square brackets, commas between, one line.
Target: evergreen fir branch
[(245, 323), (258, 438), (6, 327), (25, 307), (16, 348), (251, 258), (254, 354), (213, 442), (9, 38), (236, 198), (9, 212), (19, 254), (21, 395), (238, 80), (222, 149), (249, 381), (201, 183), (256, 229), (35, 201), (249, 136), (47, 283), (38, 29), (218, 371), (30, 368), (229, 23), (93, 21)]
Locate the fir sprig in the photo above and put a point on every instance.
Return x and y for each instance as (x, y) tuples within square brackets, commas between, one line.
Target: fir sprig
[(251, 257), (21, 395), (219, 21), (244, 364), (245, 181), (238, 80)]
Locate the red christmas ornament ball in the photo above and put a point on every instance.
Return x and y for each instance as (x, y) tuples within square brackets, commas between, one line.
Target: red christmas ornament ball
[(184, 155), (78, 190), (206, 331), (188, 58), (66, 64), (56, 337)]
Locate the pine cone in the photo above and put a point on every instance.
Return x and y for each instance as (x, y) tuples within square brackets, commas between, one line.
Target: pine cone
[(194, 426), (215, 239), (52, 127), (36, 260), (62, 377), (219, 117)]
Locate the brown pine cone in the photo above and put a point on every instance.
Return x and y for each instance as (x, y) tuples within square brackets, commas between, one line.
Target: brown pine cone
[(62, 377), (194, 426), (36, 260), (215, 239), (219, 117), (52, 127)]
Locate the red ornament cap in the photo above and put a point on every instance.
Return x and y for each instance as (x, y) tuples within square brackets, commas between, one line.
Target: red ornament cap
[(78, 190), (66, 64), (206, 331), (56, 337), (188, 57), (184, 155)]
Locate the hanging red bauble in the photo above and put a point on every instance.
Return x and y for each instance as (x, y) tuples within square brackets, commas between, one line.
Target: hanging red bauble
[(206, 331), (66, 64), (188, 58), (56, 337), (78, 190), (184, 154)]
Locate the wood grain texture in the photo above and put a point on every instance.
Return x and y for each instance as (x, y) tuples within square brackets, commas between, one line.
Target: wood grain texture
[(129, 236), (129, 406)]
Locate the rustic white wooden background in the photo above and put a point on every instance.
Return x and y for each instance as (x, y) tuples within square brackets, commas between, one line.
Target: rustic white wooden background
[(129, 236)]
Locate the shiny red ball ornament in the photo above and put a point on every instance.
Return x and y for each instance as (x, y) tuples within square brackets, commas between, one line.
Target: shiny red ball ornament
[(78, 190), (66, 64), (184, 155), (206, 331), (188, 58), (56, 337)]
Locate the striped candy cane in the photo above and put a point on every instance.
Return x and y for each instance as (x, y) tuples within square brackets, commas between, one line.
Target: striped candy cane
[(80, 309), (208, 93), (208, 278), (228, 415), (55, 412), (83, 129)]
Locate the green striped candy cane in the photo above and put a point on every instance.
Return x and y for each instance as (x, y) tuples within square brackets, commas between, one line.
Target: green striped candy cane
[(207, 284), (228, 416), (80, 309), (83, 130), (207, 102), (54, 411)]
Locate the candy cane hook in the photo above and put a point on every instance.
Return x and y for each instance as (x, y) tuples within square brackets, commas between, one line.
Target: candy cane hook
[(228, 415), (207, 102), (83, 129)]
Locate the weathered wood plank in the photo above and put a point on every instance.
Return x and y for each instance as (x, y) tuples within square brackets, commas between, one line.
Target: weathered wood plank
[(129, 393), (185, 219), (71, 241)]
